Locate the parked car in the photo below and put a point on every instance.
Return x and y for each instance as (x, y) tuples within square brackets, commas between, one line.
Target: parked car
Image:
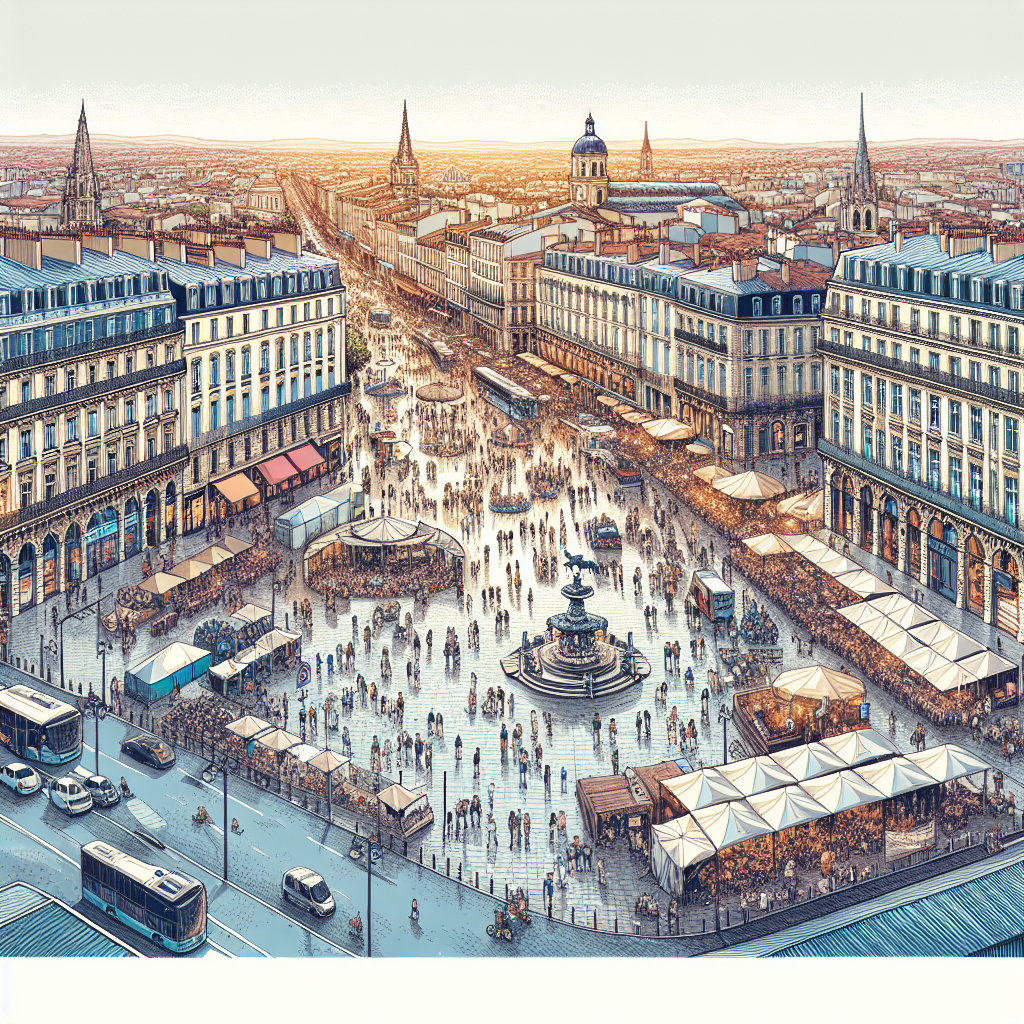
[(149, 750), (100, 788), (70, 796), (20, 778), (305, 888)]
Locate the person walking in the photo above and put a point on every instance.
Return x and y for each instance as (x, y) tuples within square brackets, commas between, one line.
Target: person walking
[(565, 776), (511, 829), (476, 763)]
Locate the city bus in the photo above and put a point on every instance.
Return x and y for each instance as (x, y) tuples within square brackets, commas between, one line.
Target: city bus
[(511, 398), (712, 595), (39, 727), (167, 907)]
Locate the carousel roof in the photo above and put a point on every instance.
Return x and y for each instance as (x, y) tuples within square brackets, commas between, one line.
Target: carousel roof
[(439, 392)]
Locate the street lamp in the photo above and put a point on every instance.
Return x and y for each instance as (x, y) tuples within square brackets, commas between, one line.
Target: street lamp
[(223, 764), (724, 716), (102, 647), (96, 709)]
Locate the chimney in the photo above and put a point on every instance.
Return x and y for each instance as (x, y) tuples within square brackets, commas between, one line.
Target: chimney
[(899, 239), (69, 250), (664, 251), (696, 253), (257, 246), (230, 252), (745, 269), (98, 243), (785, 272), (197, 236), (597, 243), (136, 245), (632, 252), (172, 249), (943, 233), (26, 251), (289, 241)]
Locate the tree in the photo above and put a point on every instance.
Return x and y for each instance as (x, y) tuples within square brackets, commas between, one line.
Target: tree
[(357, 353)]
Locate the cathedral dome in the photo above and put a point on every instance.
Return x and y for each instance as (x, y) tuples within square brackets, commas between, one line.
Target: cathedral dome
[(588, 144)]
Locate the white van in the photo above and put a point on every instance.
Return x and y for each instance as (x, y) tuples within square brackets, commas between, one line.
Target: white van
[(70, 796), (307, 889)]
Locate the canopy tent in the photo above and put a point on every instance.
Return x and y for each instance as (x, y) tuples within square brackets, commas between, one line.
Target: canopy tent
[(637, 417), (900, 644), (924, 660), (668, 429), (860, 745), (768, 544), (213, 555), (895, 776), (389, 530), (883, 628), (833, 563), (731, 823), (701, 788), (305, 458), (237, 488), (250, 613), (787, 807), (225, 671), (161, 583), (756, 774), (328, 761), (700, 448), (933, 633), (950, 676), (842, 791), (816, 682), (608, 400), (957, 647), (810, 505), (304, 752), (190, 569), (947, 762), (863, 583), (987, 664), (277, 470), (677, 845), (234, 545), (248, 726), (709, 474), (299, 525), (279, 740), (275, 640), (622, 408), (398, 799), (903, 611), (806, 543), (750, 486), (176, 665), (808, 761), (440, 391), (861, 614)]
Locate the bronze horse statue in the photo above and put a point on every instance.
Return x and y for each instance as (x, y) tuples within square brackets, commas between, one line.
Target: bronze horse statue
[(577, 563)]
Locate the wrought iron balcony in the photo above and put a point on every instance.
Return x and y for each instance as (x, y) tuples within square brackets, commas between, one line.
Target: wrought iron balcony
[(696, 339)]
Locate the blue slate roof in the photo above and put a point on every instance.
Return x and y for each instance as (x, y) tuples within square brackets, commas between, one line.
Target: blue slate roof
[(923, 251), (956, 922), (280, 261), (687, 189), (94, 267)]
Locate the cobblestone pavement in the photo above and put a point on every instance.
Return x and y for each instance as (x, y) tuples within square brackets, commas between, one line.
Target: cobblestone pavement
[(571, 744)]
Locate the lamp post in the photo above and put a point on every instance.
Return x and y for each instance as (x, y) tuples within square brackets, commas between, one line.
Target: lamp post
[(223, 765), (96, 709), (102, 647), (724, 716)]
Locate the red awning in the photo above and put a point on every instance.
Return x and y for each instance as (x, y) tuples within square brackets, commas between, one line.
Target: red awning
[(305, 457), (277, 470)]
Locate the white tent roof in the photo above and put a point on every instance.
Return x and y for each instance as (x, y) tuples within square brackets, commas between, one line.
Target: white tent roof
[(787, 807), (901, 644), (768, 544), (924, 660), (398, 798), (756, 774), (709, 474), (805, 543), (895, 776), (250, 613), (833, 563), (731, 823), (958, 646), (816, 682), (863, 583), (861, 614), (227, 669), (808, 761), (168, 661), (247, 726), (161, 582), (310, 510), (304, 752), (279, 740), (233, 544), (668, 429), (274, 639), (842, 791), (933, 633), (950, 676), (883, 629), (911, 616), (987, 663), (682, 841), (701, 788), (804, 506), (860, 745), (214, 555), (328, 761), (750, 486), (190, 569), (948, 762)]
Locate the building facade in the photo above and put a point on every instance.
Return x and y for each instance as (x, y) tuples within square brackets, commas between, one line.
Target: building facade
[(91, 452), (923, 409), (264, 345)]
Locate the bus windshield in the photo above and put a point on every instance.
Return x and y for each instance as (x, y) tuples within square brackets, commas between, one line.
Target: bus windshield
[(192, 915)]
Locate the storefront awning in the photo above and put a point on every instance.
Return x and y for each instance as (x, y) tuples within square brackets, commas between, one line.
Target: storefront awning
[(236, 488), (277, 470), (305, 457)]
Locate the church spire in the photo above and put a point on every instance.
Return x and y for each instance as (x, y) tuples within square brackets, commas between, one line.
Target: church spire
[(646, 156), (81, 204), (405, 142), (405, 168), (863, 181)]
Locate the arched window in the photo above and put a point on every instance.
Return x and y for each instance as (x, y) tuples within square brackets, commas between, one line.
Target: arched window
[(776, 305), (778, 437), (975, 576), (866, 525), (600, 196), (229, 366), (51, 565), (1006, 592), (757, 307), (264, 357), (214, 370), (856, 220), (943, 558), (798, 304), (170, 505), (73, 554), (27, 577), (246, 362), (913, 559), (152, 519), (890, 539), (132, 528), (867, 220)]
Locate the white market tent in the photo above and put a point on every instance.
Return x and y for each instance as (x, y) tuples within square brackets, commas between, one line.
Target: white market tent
[(279, 740), (987, 663), (901, 644), (768, 544), (807, 544), (950, 676), (948, 762), (756, 774), (750, 486), (248, 726), (250, 613), (161, 583), (808, 761), (884, 629), (668, 429), (709, 474), (804, 506), (299, 525), (924, 660), (676, 846), (958, 647), (842, 791), (731, 823), (933, 633), (863, 583), (861, 614), (895, 776), (834, 563), (787, 807), (816, 682), (860, 745), (701, 788), (176, 665)]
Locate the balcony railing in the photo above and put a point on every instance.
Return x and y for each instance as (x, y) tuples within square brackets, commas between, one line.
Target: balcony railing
[(49, 507), (922, 490), (767, 405), (598, 350), (226, 430), (701, 394), (89, 393), (1001, 396), (696, 339), (16, 364)]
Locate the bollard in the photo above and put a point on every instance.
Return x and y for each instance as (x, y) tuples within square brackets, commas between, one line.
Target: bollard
[(726, 917), (357, 828), (460, 871), (595, 920), (703, 924), (433, 861), (492, 885), (421, 854), (405, 848), (573, 915), (478, 879), (506, 892), (657, 923), (616, 926), (448, 866)]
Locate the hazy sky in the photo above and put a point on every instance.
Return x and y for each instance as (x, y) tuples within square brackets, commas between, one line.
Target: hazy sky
[(526, 71)]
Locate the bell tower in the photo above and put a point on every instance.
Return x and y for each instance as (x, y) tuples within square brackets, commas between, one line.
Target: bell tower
[(588, 173)]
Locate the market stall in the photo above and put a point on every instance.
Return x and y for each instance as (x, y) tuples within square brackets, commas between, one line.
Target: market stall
[(299, 525), (176, 665)]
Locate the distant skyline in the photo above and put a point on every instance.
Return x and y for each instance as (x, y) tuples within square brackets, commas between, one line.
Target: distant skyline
[(523, 72)]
